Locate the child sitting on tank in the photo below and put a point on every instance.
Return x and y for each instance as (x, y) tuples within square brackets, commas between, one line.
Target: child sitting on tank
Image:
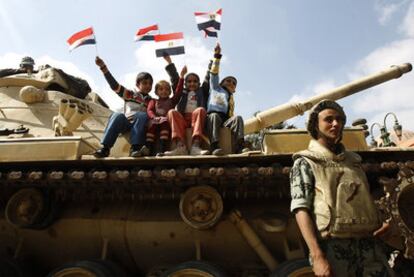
[(157, 113), (135, 116), (220, 109), (190, 113)]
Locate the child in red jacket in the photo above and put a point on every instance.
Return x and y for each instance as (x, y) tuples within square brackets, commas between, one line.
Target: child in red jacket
[(158, 109)]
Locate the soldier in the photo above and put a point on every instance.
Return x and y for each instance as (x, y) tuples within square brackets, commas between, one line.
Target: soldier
[(332, 202), (26, 66)]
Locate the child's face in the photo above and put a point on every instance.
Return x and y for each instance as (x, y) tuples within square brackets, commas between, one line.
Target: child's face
[(230, 84), (163, 91), (192, 83), (145, 86)]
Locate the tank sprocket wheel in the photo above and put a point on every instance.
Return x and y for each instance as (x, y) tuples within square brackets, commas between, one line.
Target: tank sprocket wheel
[(25, 208), (294, 268), (398, 205), (201, 207), (195, 269)]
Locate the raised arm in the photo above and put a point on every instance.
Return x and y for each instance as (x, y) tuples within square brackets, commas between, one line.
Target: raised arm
[(179, 90), (115, 86), (205, 86), (172, 72), (215, 68)]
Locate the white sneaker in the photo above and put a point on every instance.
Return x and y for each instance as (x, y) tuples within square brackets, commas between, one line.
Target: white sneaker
[(178, 151), (196, 150)]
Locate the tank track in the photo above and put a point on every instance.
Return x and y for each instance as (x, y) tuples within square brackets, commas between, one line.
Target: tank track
[(152, 178)]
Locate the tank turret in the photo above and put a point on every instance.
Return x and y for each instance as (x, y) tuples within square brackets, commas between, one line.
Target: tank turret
[(289, 110)]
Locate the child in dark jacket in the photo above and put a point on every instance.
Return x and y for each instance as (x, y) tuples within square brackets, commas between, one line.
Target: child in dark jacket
[(157, 112), (190, 112), (220, 109)]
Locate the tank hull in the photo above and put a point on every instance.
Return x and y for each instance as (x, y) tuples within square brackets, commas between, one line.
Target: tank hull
[(136, 221)]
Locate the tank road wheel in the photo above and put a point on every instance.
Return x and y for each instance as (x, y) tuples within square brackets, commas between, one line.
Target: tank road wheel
[(294, 268), (93, 268), (194, 269), (201, 207), (26, 208)]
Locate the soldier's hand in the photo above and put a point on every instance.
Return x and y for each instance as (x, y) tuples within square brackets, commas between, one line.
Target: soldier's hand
[(383, 231), (321, 267), (217, 49), (183, 71), (99, 62), (167, 58)]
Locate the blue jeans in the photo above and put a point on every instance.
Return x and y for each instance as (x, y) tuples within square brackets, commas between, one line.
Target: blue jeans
[(118, 124)]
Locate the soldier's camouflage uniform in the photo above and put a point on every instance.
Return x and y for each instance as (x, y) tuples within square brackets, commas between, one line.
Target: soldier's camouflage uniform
[(347, 257)]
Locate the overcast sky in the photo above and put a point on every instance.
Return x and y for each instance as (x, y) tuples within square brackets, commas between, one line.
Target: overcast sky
[(280, 51)]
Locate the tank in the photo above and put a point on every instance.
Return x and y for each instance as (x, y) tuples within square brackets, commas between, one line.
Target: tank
[(66, 213)]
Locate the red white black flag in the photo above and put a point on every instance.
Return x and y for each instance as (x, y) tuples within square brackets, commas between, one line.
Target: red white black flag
[(83, 37), (147, 33), (169, 44), (209, 22)]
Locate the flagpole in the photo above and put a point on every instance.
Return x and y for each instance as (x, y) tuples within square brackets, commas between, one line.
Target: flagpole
[(218, 31), (96, 45), (96, 48)]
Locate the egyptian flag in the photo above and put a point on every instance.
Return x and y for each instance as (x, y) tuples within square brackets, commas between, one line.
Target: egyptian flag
[(210, 23), (81, 38), (210, 32), (147, 33), (169, 44)]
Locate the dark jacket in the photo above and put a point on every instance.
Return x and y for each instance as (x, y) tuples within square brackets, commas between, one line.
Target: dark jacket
[(201, 93)]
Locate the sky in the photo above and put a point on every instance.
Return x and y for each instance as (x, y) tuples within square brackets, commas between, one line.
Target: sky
[(280, 51)]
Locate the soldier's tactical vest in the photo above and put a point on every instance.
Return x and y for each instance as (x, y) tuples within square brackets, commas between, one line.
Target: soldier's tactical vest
[(343, 206)]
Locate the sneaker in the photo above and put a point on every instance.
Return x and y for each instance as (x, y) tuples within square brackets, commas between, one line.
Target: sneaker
[(196, 150), (102, 152), (218, 152), (145, 151), (245, 150), (242, 147), (178, 151), (134, 153)]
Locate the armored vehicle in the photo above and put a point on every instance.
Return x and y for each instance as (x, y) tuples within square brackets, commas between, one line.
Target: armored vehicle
[(65, 213)]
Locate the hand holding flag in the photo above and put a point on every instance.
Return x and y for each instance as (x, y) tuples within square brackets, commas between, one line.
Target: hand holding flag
[(99, 62), (217, 49)]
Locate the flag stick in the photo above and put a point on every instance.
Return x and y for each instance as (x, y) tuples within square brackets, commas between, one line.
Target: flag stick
[(218, 31), (96, 42), (96, 48)]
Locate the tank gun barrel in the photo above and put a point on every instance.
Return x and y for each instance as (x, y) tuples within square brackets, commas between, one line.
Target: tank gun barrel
[(289, 110)]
